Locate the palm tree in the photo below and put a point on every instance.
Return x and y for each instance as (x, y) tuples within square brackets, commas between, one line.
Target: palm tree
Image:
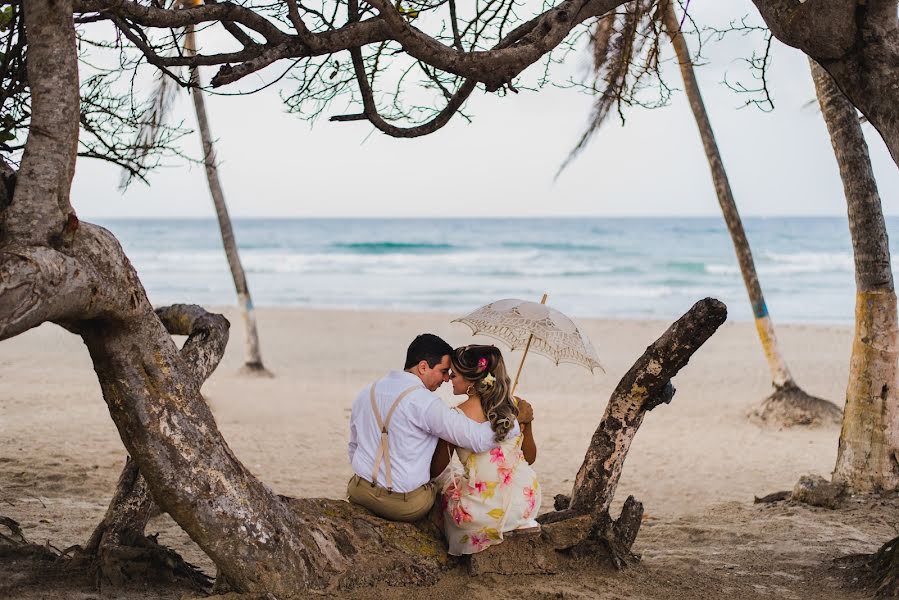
[(869, 440), (252, 356), (613, 52), (163, 96)]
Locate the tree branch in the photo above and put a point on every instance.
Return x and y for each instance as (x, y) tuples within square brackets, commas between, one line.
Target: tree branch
[(207, 336), (40, 208)]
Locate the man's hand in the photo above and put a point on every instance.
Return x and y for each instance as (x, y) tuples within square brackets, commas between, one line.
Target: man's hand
[(525, 411)]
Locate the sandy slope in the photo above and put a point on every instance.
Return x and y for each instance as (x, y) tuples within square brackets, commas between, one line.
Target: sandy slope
[(695, 464)]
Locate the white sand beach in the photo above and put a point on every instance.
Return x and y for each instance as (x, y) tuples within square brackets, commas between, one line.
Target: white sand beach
[(696, 464)]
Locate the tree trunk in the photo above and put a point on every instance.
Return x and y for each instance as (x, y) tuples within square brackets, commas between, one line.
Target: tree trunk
[(789, 405), (857, 42), (119, 551), (869, 441), (252, 355)]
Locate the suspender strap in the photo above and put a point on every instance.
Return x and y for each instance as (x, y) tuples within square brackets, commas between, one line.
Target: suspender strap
[(384, 448)]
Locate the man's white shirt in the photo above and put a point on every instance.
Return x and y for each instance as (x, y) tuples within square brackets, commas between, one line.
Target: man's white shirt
[(420, 419)]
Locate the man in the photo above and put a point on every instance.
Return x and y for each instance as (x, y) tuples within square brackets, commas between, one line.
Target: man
[(394, 428)]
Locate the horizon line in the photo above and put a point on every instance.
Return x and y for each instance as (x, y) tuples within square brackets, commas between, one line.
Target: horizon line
[(488, 217)]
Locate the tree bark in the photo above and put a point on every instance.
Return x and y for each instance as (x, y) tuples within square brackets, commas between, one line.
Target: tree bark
[(789, 404), (119, 550), (857, 42), (252, 354), (48, 162), (646, 385), (869, 441)]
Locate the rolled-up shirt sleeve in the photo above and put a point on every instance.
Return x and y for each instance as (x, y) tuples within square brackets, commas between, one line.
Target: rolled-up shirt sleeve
[(456, 428)]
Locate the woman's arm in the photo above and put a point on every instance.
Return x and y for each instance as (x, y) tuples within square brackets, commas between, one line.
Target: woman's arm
[(526, 421), (442, 455), (528, 445)]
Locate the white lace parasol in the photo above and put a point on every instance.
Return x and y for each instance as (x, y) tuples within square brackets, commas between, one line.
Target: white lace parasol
[(536, 327)]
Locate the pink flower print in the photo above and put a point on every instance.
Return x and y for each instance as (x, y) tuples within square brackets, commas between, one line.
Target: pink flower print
[(505, 475), (479, 486), (460, 515), (453, 490), (479, 541), (497, 456), (531, 500)]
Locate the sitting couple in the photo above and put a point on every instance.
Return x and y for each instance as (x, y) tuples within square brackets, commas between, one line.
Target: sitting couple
[(402, 435)]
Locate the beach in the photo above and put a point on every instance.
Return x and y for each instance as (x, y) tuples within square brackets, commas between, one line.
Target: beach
[(696, 458)]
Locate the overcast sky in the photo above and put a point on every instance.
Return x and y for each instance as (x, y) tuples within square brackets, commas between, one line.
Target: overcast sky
[(502, 164)]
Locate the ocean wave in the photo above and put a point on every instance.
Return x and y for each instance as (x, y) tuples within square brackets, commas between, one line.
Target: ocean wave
[(773, 263), (392, 247), (557, 246), (838, 261), (687, 266)]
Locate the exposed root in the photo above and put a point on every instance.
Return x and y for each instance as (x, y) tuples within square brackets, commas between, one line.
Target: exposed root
[(790, 406), (256, 369), (145, 563), (14, 544), (878, 572)]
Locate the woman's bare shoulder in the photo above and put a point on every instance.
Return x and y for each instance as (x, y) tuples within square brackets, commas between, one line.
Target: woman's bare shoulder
[(472, 409)]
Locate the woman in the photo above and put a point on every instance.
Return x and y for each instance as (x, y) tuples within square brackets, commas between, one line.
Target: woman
[(495, 491)]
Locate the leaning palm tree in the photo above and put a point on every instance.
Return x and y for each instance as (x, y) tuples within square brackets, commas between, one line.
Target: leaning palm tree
[(252, 355), (164, 95), (616, 40)]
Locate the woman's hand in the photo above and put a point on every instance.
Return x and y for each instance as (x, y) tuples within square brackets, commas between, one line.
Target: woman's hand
[(525, 411)]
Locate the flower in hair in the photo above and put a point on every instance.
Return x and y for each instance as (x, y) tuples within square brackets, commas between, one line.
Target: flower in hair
[(482, 364), (489, 379)]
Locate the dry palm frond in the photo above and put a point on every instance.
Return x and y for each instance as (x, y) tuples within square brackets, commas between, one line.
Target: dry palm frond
[(162, 99), (147, 137), (617, 42)]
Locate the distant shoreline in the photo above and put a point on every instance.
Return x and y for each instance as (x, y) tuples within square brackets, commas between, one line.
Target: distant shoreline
[(212, 217)]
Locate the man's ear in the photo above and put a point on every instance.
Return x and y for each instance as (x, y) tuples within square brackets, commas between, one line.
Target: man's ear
[(423, 366)]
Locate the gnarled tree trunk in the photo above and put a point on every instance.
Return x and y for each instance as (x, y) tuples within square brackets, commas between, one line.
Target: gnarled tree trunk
[(789, 404), (857, 42), (118, 550), (252, 354)]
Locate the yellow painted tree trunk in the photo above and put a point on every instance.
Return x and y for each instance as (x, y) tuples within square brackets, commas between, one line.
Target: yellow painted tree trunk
[(869, 440)]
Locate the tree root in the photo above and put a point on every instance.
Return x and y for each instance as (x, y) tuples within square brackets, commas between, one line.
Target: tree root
[(255, 370), (878, 572), (144, 563), (148, 564), (15, 545), (790, 406)]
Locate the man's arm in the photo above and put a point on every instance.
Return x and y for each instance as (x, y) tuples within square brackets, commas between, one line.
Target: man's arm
[(456, 428)]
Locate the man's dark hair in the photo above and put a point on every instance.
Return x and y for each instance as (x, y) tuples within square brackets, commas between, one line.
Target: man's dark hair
[(429, 347)]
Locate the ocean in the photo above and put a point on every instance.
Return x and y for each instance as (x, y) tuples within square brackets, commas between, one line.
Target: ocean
[(633, 268)]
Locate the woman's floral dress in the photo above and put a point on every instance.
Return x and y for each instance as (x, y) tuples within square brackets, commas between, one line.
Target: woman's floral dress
[(493, 492)]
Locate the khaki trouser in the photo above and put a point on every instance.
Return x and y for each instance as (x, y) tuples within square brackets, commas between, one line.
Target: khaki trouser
[(393, 506)]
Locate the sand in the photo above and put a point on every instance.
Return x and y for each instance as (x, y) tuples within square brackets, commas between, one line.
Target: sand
[(695, 464)]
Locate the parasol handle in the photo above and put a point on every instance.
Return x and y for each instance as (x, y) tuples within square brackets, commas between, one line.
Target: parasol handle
[(525, 355)]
